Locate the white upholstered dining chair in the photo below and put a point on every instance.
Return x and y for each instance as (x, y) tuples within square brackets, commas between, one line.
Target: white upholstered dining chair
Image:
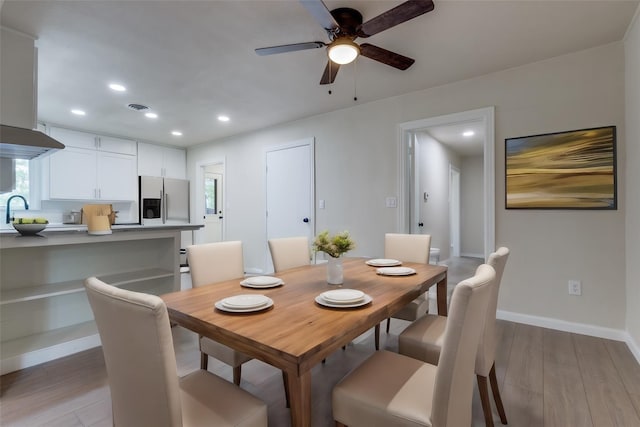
[(424, 338), (289, 252), (391, 389), (211, 263), (409, 248), (141, 367)]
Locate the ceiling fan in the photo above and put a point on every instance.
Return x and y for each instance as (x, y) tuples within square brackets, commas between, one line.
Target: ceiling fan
[(344, 25)]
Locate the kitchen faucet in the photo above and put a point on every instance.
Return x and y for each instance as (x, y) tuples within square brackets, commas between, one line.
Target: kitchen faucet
[(26, 206)]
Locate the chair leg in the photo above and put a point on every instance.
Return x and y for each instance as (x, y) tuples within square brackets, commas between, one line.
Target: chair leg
[(388, 323), (376, 332), (483, 388), (204, 360), (237, 373), (496, 394), (286, 387)]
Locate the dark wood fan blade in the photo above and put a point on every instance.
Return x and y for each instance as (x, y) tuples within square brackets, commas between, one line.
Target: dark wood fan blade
[(330, 72), (386, 56), (288, 48), (320, 13), (392, 17)]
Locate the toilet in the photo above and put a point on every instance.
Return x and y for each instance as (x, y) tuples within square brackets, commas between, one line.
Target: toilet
[(434, 256)]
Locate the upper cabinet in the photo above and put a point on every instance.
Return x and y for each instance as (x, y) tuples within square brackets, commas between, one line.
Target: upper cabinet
[(91, 167), (157, 160)]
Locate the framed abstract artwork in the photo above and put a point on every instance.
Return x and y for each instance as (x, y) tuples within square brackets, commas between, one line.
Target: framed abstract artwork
[(563, 170)]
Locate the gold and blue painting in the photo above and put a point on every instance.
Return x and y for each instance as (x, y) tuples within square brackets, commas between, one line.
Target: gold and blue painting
[(564, 170)]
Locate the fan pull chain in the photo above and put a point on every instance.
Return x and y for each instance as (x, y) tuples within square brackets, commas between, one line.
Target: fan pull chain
[(331, 83), (355, 80)]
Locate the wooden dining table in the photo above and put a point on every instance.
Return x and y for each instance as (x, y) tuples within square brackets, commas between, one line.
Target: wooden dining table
[(296, 332)]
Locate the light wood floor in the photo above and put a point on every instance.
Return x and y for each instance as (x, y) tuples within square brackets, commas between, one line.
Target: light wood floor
[(547, 378)]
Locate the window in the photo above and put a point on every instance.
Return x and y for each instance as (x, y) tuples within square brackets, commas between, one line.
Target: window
[(210, 195), (22, 182)]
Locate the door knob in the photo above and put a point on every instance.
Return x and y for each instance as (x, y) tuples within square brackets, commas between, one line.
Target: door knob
[(305, 220)]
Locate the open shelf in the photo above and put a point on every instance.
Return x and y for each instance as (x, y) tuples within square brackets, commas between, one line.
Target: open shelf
[(26, 351), (30, 293)]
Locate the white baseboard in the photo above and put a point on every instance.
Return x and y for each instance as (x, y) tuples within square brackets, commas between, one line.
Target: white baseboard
[(576, 328), (634, 347)]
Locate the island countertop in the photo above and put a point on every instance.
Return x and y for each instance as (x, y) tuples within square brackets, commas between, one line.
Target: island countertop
[(56, 234)]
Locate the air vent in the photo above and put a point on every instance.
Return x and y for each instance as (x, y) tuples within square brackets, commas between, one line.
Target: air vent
[(137, 107)]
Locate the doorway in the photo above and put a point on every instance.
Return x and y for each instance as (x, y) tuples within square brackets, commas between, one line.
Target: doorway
[(213, 215), (409, 209), (209, 203), (454, 210)]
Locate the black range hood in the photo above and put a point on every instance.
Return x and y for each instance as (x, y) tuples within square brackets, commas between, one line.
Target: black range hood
[(20, 143)]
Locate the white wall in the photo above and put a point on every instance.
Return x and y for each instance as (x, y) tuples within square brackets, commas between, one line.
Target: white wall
[(434, 159), (357, 167), (632, 160), (472, 202)]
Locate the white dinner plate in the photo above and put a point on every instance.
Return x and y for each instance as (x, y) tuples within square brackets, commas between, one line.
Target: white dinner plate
[(396, 271), (343, 296), (383, 262), (261, 282), (364, 301), (245, 301), (223, 307)]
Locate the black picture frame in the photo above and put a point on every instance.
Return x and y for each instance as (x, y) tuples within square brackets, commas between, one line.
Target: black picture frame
[(574, 169)]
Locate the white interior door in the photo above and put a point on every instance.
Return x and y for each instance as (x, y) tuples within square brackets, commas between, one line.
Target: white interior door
[(454, 210), (213, 214), (289, 192)]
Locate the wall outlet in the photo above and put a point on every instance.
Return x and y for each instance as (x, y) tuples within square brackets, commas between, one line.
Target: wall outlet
[(391, 202), (575, 287)]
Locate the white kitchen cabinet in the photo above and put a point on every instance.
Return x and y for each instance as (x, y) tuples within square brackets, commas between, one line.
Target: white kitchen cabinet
[(44, 312), (157, 160), (72, 174), (91, 168), (73, 138)]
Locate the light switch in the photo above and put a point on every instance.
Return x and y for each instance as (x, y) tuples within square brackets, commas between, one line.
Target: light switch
[(391, 202), (321, 204)]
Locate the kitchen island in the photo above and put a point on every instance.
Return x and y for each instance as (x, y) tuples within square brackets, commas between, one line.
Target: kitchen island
[(44, 311)]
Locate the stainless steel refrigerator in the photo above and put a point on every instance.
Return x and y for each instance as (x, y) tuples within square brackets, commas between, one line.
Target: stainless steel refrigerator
[(163, 200)]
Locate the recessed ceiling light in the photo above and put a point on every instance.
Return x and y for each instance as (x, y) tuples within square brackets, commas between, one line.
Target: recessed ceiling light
[(151, 115), (468, 133), (224, 118), (117, 87), (78, 112), (176, 133)]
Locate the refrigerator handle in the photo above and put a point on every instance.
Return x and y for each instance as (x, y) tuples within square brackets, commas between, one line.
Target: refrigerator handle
[(164, 216)]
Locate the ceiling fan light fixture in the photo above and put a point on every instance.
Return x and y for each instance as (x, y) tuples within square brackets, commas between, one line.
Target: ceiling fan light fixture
[(343, 51)]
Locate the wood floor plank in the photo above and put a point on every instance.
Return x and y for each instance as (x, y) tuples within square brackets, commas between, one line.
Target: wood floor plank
[(565, 400), (608, 399), (522, 390), (628, 369), (505, 332), (525, 361)]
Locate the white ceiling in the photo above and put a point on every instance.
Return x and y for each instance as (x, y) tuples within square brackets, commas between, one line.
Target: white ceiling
[(192, 60)]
